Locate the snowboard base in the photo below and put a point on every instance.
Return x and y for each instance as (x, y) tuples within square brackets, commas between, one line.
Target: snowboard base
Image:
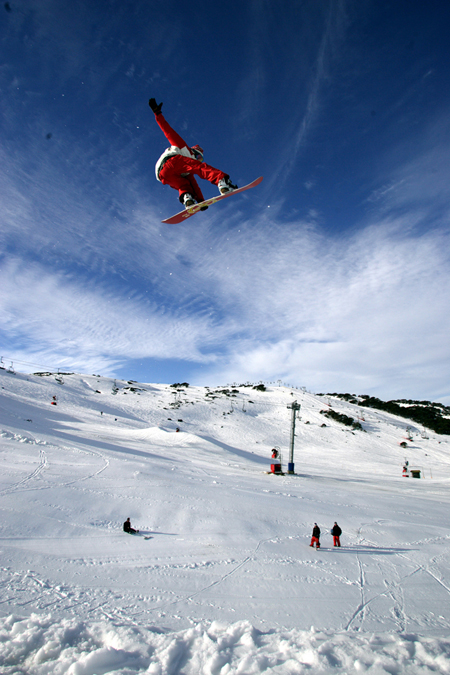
[(192, 210)]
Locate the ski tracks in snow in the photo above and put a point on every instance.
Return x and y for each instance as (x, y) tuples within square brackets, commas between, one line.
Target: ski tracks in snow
[(360, 613), (231, 572), (393, 589), (44, 463), (213, 584), (28, 591)]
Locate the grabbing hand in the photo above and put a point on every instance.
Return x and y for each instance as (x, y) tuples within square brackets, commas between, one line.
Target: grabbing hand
[(155, 106)]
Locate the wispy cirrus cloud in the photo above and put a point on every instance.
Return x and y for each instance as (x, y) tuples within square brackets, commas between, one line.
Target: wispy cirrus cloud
[(303, 120), (51, 312), (416, 177), (356, 312), (361, 313)]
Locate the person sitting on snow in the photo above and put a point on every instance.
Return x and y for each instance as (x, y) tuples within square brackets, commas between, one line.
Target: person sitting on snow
[(127, 527), (178, 164)]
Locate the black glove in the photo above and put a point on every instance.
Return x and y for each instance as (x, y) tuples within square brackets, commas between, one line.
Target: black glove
[(154, 106)]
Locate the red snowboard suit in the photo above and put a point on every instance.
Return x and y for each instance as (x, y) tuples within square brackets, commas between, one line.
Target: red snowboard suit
[(177, 165)]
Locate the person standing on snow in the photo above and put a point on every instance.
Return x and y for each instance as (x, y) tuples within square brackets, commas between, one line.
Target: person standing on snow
[(315, 539), (336, 532), (178, 164)]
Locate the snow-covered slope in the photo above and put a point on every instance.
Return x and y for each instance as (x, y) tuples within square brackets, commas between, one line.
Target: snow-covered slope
[(227, 582)]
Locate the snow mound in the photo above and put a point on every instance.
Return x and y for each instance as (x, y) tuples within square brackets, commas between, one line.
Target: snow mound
[(169, 437), (20, 438), (38, 646)]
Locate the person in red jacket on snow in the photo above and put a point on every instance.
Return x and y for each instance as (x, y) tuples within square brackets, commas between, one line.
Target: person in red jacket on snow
[(178, 164)]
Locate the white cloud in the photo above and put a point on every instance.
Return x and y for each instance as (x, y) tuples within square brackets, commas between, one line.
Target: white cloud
[(367, 311), (75, 320), (261, 301)]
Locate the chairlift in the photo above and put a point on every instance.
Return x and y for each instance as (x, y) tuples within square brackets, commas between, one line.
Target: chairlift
[(11, 369), (59, 378)]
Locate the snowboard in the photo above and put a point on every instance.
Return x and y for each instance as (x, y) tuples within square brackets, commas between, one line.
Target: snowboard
[(191, 210)]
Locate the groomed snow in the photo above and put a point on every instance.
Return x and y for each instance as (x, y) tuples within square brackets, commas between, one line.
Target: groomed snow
[(221, 579)]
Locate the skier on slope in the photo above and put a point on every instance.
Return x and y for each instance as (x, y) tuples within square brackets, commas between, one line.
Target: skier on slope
[(178, 164)]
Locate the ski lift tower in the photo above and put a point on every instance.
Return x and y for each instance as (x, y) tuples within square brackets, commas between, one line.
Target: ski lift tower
[(295, 407)]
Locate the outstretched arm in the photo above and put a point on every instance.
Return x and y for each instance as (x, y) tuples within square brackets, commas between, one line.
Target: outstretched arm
[(156, 107), (171, 135)]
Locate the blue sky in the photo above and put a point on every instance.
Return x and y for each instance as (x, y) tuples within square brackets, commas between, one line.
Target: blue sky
[(333, 274)]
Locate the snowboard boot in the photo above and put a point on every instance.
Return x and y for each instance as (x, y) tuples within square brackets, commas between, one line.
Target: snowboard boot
[(188, 200), (225, 185)]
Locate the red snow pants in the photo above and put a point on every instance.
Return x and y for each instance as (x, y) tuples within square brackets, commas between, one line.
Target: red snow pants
[(315, 540), (336, 540), (173, 169)]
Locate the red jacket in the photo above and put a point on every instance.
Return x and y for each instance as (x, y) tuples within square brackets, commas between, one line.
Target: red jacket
[(179, 164), (177, 145)]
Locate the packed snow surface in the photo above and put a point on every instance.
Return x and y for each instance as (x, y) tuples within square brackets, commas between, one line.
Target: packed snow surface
[(221, 579)]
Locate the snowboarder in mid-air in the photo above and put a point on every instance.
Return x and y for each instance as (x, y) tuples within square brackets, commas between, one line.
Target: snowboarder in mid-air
[(127, 527), (178, 164)]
